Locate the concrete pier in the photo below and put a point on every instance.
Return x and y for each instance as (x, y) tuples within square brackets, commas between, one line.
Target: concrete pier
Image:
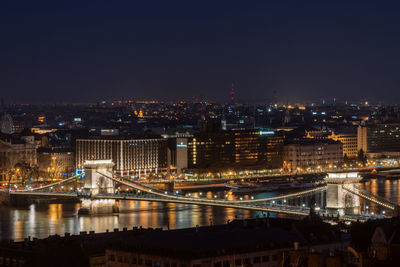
[(96, 184), (98, 206)]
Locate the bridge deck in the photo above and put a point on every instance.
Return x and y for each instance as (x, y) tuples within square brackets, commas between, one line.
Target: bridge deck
[(146, 193)]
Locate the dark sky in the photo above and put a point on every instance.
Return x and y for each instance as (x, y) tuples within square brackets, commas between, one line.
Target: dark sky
[(170, 50)]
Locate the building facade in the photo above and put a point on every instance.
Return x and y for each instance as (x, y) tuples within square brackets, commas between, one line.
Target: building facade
[(133, 156), (349, 142), (236, 148), (312, 153), (379, 138), (12, 152)]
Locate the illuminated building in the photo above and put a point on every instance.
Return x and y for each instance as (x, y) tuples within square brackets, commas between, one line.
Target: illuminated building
[(55, 162), (312, 153), (349, 141), (236, 148), (39, 130), (379, 138), (130, 156), (16, 150), (178, 148), (41, 119), (181, 153)]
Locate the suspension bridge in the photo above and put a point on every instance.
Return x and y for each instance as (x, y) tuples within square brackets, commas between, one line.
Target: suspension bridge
[(341, 196)]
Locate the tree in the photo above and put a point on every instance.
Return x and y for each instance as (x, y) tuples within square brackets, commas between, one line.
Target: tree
[(25, 171), (361, 157), (346, 159)]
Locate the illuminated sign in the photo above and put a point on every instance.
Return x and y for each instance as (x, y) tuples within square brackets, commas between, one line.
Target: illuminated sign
[(101, 161), (181, 144), (80, 173), (343, 175), (266, 132)]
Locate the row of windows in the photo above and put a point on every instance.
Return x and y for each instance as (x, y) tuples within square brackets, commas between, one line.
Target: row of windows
[(313, 155), (135, 154), (322, 161)]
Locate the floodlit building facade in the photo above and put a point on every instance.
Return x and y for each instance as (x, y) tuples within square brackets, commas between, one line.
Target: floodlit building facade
[(312, 153), (133, 156), (349, 142), (16, 151)]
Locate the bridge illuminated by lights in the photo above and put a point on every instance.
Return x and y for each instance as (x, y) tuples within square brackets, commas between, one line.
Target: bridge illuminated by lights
[(99, 194)]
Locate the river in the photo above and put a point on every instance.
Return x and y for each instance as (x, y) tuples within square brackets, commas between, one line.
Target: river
[(43, 220)]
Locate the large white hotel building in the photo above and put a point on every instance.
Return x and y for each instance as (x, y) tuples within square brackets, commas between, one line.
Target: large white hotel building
[(130, 156)]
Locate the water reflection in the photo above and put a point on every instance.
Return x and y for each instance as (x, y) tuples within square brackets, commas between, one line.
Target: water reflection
[(44, 220)]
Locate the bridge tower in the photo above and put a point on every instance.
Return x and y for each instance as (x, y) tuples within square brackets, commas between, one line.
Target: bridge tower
[(95, 184), (340, 201)]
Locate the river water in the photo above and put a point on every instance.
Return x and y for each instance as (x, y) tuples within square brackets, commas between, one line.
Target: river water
[(43, 220)]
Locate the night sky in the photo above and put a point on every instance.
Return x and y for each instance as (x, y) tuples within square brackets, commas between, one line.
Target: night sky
[(170, 50)]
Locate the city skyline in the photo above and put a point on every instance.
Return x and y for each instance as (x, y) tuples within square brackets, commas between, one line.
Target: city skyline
[(87, 52), (198, 134)]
